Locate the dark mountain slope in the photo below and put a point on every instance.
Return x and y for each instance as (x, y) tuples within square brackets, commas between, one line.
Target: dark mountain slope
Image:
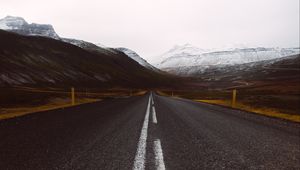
[(285, 68), (277, 72), (41, 61)]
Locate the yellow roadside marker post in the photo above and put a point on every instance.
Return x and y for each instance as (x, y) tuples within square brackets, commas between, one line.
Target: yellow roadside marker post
[(73, 95), (233, 104)]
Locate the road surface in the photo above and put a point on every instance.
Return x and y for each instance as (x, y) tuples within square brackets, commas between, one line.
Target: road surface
[(148, 132)]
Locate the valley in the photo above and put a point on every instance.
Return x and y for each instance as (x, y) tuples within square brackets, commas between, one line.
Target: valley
[(261, 75), (98, 84)]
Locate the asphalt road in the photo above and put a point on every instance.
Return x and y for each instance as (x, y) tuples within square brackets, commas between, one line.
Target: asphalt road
[(146, 132)]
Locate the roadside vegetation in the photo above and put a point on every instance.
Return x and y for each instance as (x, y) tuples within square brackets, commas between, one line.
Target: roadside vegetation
[(20, 101), (281, 103)]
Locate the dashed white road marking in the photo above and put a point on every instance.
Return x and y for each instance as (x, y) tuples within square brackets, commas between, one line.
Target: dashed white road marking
[(154, 119), (159, 157), (152, 99), (139, 160)]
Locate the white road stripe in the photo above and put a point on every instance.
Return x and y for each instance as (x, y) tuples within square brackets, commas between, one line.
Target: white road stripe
[(139, 160), (159, 157), (154, 115), (152, 99)]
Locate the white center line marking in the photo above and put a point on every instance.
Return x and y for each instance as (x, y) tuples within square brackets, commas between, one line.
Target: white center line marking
[(159, 157), (152, 99), (154, 119), (139, 160)]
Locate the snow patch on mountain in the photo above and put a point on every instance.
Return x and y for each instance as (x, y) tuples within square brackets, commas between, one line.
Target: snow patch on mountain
[(20, 26), (218, 72), (11, 23), (101, 45), (137, 58), (89, 46), (79, 43), (188, 56)]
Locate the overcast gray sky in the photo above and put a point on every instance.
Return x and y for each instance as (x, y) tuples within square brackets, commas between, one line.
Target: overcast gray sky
[(151, 27)]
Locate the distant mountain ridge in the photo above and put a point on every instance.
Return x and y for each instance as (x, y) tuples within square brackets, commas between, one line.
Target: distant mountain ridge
[(192, 58), (19, 25), (34, 54)]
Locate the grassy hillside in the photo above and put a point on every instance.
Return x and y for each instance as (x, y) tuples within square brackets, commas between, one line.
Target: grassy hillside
[(39, 61)]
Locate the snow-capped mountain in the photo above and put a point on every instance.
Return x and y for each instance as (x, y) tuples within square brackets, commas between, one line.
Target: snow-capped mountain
[(137, 58), (20, 26), (11, 23), (88, 46), (182, 50), (191, 58), (35, 61)]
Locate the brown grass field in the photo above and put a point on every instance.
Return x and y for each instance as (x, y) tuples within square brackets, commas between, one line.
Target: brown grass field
[(19, 101), (275, 101)]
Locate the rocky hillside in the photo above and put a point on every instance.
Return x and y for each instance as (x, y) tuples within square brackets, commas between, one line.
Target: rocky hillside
[(137, 58), (19, 25), (42, 61)]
